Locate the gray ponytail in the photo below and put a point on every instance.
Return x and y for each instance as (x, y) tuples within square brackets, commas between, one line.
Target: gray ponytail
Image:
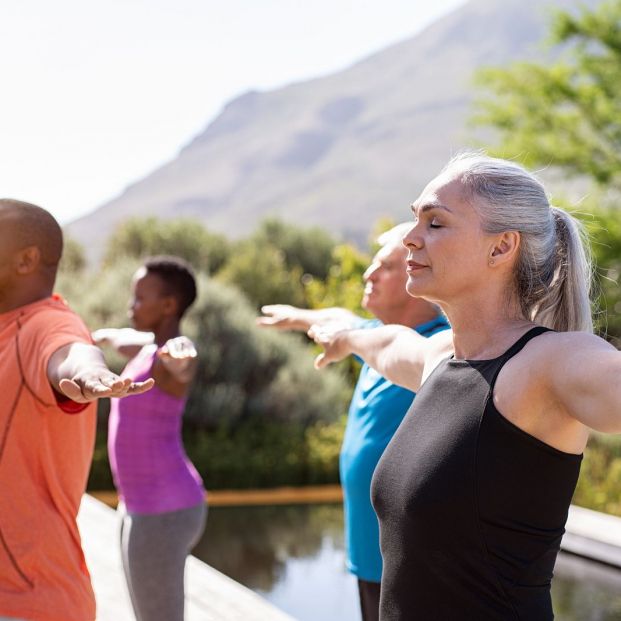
[(553, 270)]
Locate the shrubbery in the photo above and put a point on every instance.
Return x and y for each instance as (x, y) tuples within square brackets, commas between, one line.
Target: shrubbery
[(257, 407), (599, 487)]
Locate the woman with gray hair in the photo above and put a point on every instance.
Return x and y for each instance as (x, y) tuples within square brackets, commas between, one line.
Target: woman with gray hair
[(473, 491)]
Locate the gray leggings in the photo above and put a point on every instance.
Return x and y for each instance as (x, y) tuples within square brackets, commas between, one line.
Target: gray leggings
[(154, 549)]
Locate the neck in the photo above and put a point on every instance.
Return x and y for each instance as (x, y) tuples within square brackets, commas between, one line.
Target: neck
[(167, 331), (410, 316), (482, 330), (17, 299)]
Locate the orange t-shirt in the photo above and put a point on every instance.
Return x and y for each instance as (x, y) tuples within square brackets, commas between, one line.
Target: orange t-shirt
[(45, 455)]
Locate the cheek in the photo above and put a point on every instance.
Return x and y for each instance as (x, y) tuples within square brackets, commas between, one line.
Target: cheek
[(398, 280)]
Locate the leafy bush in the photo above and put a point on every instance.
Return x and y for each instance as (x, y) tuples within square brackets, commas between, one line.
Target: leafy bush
[(260, 454), (263, 275), (599, 486), (309, 249), (246, 373), (604, 226)]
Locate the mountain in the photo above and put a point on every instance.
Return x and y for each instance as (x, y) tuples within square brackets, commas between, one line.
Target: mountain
[(339, 151)]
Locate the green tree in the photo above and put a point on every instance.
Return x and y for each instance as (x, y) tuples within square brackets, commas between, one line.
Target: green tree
[(343, 285), (261, 272), (142, 237), (604, 227), (565, 114), (73, 260), (309, 249)]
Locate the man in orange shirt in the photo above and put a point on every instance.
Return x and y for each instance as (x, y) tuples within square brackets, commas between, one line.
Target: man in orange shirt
[(50, 378)]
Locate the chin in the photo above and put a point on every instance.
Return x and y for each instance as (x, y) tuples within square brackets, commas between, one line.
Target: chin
[(417, 288)]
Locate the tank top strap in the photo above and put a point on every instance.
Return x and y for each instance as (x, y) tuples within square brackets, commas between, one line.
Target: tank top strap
[(515, 349)]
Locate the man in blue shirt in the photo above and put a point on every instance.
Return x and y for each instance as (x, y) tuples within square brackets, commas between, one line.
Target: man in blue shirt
[(377, 406)]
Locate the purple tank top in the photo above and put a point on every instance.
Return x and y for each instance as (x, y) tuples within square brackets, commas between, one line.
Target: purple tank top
[(150, 468)]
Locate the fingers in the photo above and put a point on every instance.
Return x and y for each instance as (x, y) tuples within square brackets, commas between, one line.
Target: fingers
[(318, 334), (329, 340), (85, 389), (320, 361), (180, 348), (273, 309), (281, 316), (137, 388), (72, 390), (101, 336)]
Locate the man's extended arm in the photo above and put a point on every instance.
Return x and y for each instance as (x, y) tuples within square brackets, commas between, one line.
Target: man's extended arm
[(286, 317)]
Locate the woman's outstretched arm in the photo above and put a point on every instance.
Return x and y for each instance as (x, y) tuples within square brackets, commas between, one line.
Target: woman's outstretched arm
[(396, 352), (584, 375)]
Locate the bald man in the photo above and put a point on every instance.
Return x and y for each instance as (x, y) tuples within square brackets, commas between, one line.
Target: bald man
[(50, 377)]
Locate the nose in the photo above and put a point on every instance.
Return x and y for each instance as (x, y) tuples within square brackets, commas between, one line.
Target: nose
[(413, 238), (370, 272)]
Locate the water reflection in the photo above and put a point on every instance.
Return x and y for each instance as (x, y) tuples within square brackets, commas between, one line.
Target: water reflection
[(293, 555), (253, 545), (585, 591)]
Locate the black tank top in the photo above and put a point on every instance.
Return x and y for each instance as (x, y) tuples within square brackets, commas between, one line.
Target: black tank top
[(472, 509)]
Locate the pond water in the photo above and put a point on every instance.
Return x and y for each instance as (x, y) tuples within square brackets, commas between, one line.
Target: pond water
[(293, 555)]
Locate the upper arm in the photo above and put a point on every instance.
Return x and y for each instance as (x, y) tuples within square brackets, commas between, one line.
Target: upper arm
[(584, 375)]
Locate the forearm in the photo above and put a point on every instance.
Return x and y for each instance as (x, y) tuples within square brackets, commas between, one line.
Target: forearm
[(286, 317), (126, 341)]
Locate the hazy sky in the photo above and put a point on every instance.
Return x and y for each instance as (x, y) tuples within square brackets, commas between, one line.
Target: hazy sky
[(95, 95)]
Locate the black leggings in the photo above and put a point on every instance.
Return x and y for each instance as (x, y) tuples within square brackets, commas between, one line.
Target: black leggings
[(369, 599)]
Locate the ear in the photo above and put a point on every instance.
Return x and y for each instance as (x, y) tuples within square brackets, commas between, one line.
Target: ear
[(171, 305), (505, 248), (27, 260)]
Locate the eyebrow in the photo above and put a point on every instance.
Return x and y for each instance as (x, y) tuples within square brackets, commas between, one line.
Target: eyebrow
[(428, 207)]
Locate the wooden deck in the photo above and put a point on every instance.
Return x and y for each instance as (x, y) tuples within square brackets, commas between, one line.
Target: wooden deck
[(210, 595), (593, 535)]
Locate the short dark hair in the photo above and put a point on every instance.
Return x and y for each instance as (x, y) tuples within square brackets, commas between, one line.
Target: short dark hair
[(33, 225), (178, 279)]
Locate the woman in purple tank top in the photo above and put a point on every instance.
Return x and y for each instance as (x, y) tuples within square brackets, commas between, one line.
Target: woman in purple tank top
[(162, 499)]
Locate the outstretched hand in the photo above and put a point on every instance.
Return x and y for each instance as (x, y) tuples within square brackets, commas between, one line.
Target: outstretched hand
[(332, 339), (179, 356), (282, 317), (92, 385)]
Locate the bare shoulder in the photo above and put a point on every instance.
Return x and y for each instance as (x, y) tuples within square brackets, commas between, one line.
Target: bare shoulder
[(552, 350), (562, 363)]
